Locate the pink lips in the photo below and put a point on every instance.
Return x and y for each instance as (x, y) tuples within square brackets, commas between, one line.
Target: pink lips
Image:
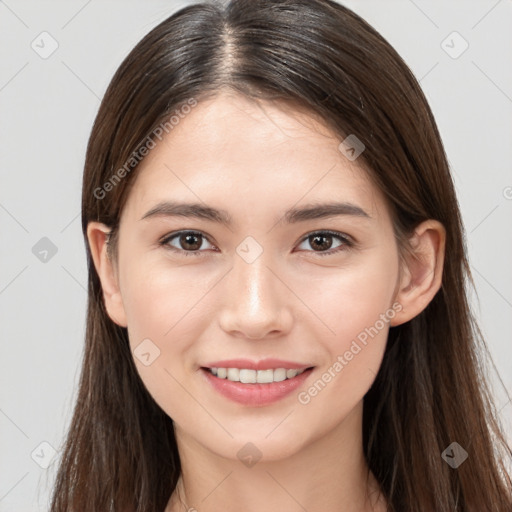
[(255, 395)]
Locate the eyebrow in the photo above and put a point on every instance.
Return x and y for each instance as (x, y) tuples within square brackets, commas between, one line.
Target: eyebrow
[(291, 216)]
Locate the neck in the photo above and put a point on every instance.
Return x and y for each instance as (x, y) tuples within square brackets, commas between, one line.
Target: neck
[(329, 474)]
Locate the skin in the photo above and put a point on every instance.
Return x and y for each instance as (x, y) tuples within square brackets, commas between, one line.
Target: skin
[(256, 160)]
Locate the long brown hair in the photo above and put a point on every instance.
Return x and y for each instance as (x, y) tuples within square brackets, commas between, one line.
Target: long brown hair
[(120, 453)]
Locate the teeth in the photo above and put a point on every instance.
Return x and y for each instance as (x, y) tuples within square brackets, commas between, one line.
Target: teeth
[(233, 374), (292, 373), (255, 376), (265, 376), (248, 376), (279, 374)]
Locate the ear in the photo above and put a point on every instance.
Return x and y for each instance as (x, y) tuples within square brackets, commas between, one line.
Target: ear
[(422, 271), (97, 236)]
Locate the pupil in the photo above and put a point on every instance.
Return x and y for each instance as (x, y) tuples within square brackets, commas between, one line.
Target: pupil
[(320, 237), (188, 240)]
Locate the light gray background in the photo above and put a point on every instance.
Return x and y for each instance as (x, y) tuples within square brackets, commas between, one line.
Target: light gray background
[(47, 107)]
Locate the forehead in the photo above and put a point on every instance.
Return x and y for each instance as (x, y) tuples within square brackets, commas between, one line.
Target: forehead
[(254, 156)]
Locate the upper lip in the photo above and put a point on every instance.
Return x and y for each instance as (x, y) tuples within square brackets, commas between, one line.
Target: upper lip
[(263, 364)]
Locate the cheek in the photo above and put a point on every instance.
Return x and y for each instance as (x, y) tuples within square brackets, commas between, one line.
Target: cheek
[(159, 304), (164, 314), (355, 303), (159, 298), (351, 299), (357, 307)]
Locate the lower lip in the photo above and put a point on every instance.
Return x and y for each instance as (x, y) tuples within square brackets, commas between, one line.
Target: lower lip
[(255, 395)]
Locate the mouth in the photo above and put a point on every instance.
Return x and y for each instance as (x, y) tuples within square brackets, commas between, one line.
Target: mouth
[(255, 384)]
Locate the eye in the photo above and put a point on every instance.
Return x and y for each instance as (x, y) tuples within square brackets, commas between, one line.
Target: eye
[(321, 241), (189, 242)]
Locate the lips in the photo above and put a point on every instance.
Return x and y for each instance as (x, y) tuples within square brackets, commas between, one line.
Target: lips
[(255, 383)]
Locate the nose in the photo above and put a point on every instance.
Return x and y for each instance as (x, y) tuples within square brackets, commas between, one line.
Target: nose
[(257, 304)]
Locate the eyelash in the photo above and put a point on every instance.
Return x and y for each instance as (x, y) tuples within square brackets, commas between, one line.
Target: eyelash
[(347, 243)]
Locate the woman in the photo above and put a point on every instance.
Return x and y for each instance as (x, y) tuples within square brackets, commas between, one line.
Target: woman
[(277, 313)]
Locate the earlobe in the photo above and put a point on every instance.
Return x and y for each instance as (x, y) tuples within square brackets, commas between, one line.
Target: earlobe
[(97, 234), (422, 276)]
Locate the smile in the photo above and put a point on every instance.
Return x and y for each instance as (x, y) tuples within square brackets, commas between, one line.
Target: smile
[(257, 386)]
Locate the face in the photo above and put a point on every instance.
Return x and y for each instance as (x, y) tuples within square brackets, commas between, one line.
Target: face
[(270, 281)]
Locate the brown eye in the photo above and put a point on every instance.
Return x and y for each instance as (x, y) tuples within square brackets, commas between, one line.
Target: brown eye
[(322, 241), (191, 241), (188, 243)]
